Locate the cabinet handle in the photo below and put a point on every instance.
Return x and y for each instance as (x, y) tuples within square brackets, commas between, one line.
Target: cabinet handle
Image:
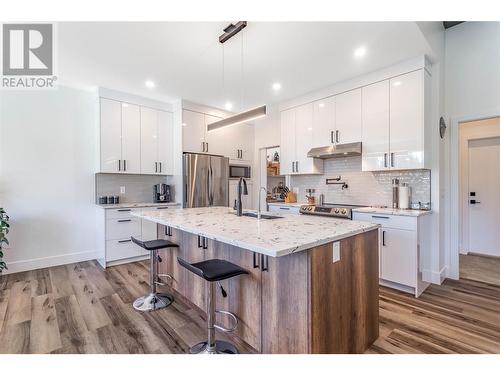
[(383, 238), (264, 262), (124, 220), (199, 242), (392, 159), (385, 160), (293, 166), (125, 165), (156, 167), (255, 264), (119, 165), (161, 208), (123, 241), (296, 166), (331, 137), (205, 243), (336, 136), (160, 166), (284, 208), (207, 146), (380, 217), (125, 210)]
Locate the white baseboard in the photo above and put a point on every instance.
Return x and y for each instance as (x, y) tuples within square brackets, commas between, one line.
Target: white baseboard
[(435, 277), (56, 260)]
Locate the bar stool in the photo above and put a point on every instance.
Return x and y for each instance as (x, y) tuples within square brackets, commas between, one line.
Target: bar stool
[(154, 301), (213, 271)]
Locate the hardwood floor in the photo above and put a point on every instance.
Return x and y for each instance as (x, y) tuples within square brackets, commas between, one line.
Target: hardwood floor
[(80, 308), (480, 268)]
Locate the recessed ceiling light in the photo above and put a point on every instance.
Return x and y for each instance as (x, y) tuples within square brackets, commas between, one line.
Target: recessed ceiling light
[(150, 84), (276, 86), (228, 106), (397, 83), (359, 52), (184, 124), (321, 105)]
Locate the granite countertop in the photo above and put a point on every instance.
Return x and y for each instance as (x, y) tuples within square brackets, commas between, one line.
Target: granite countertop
[(136, 205), (392, 211), (275, 238)]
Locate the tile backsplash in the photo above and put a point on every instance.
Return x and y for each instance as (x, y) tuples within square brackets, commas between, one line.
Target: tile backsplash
[(138, 188), (365, 188)]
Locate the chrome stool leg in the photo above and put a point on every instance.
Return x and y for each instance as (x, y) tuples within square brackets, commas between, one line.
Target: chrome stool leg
[(212, 346), (153, 301)]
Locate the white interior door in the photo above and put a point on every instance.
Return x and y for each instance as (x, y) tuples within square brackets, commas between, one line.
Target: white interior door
[(484, 196)]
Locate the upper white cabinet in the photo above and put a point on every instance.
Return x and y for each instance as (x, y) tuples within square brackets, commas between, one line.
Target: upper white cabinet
[(156, 142), (120, 137), (235, 141), (324, 122), (375, 126), (348, 117), (135, 139), (297, 140), (394, 123)]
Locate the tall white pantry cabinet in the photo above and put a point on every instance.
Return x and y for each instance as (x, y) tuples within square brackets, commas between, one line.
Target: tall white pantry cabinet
[(134, 139)]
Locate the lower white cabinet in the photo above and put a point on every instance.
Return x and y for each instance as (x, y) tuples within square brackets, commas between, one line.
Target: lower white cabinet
[(283, 208), (403, 249), (116, 226)]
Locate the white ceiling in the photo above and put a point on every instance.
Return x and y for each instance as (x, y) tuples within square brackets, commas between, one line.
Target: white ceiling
[(185, 59)]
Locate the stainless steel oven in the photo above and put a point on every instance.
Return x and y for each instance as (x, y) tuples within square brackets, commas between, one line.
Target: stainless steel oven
[(239, 170)]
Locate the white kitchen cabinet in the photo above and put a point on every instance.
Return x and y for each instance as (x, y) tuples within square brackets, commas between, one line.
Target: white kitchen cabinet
[(156, 142), (216, 141), (375, 134), (120, 137), (404, 248), (193, 131), (111, 132), (348, 117), (324, 122), (297, 140), (284, 209), (239, 142), (407, 121), (395, 129)]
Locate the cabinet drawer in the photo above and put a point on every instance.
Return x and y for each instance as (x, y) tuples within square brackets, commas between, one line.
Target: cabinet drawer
[(120, 213), (122, 249), (284, 209), (117, 229), (388, 221)]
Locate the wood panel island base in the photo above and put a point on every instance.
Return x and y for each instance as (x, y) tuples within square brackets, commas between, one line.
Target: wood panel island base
[(312, 296)]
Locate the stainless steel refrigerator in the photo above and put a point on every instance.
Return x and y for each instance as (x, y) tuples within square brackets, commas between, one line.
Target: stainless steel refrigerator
[(206, 180)]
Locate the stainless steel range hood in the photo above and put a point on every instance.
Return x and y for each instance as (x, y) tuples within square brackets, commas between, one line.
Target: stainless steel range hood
[(336, 151)]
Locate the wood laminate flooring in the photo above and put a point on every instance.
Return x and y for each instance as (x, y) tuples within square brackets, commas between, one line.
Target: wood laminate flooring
[(480, 268), (81, 308)]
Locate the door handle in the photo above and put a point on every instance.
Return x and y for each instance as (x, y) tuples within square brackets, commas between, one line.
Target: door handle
[(336, 136), (473, 201)]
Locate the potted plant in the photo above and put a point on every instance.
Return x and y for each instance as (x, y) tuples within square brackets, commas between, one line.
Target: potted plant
[(4, 229)]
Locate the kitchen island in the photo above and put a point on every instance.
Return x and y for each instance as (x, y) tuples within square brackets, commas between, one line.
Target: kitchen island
[(312, 285)]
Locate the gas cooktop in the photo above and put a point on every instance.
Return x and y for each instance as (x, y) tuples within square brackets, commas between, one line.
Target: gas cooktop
[(342, 211)]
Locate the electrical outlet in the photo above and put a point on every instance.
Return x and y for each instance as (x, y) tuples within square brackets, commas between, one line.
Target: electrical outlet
[(336, 252), (122, 189)]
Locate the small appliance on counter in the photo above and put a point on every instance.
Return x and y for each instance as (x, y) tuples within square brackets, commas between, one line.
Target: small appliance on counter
[(161, 193)]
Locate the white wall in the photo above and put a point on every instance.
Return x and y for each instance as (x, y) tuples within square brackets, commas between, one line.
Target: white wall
[(472, 91), (47, 150)]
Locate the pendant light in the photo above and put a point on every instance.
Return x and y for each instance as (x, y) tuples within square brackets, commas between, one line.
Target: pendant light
[(250, 114)]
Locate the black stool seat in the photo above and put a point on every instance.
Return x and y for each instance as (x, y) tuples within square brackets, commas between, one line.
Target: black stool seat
[(213, 269), (154, 244)]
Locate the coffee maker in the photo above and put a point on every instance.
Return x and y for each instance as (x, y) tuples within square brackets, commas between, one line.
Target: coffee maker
[(161, 193)]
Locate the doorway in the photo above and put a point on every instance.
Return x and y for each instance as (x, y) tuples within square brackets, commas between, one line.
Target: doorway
[(479, 213)]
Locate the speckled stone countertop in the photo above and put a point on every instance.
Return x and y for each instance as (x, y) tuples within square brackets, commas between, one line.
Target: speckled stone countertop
[(136, 205), (392, 211), (275, 238)]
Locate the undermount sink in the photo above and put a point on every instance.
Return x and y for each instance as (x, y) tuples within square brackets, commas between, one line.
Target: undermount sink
[(262, 216)]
